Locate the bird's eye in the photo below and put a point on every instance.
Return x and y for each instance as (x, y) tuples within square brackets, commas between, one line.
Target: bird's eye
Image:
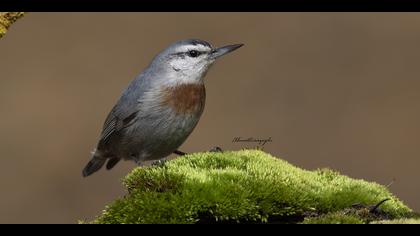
[(193, 53)]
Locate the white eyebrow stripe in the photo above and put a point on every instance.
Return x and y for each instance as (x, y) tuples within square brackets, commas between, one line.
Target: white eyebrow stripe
[(197, 47)]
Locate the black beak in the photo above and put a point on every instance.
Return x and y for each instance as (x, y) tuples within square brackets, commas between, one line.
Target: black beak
[(218, 52)]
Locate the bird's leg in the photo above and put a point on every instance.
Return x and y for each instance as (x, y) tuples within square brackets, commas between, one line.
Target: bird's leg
[(213, 149), (159, 163), (179, 153)]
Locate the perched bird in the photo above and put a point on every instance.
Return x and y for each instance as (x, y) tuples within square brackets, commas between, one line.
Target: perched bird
[(160, 107)]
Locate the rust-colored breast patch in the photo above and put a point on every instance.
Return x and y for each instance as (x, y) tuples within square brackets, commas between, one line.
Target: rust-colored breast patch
[(185, 98)]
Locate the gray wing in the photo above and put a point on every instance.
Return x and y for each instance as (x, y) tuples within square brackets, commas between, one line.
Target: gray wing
[(116, 121), (124, 113)]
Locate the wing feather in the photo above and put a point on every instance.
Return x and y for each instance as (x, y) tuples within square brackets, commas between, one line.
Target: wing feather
[(124, 113)]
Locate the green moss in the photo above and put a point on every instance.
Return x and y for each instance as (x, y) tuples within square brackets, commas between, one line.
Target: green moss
[(398, 221), (334, 218), (7, 19), (241, 186)]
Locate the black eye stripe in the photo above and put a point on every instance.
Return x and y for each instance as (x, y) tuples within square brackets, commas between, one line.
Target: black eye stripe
[(191, 53)]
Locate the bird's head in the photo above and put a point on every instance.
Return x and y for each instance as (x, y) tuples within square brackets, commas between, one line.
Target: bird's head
[(187, 61)]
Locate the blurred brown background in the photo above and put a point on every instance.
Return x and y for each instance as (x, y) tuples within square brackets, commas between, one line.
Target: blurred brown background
[(337, 90)]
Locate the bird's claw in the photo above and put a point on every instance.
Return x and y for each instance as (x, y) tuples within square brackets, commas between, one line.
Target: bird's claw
[(159, 163), (215, 149)]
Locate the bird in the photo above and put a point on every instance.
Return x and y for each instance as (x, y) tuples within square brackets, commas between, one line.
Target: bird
[(159, 108)]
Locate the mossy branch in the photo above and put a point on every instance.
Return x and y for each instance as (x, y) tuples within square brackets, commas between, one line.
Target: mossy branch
[(7, 19), (249, 186)]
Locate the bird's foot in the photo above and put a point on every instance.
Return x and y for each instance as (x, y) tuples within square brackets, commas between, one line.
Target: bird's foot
[(159, 163), (179, 153), (215, 149)]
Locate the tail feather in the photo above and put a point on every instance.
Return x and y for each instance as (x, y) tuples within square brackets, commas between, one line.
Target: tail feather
[(94, 165), (112, 162)]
